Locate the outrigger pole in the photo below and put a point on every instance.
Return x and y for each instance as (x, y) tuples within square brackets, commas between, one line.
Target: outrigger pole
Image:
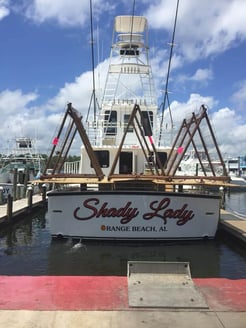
[(166, 98), (93, 96)]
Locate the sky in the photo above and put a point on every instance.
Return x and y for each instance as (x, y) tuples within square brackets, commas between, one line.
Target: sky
[(45, 62)]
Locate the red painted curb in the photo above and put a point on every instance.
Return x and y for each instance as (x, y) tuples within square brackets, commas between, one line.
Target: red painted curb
[(63, 293), (223, 294), (102, 293)]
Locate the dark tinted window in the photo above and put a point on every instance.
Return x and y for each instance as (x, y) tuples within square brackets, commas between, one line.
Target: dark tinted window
[(103, 157)]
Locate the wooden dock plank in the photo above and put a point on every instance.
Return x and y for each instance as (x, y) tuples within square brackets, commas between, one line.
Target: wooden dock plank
[(19, 206), (233, 224)]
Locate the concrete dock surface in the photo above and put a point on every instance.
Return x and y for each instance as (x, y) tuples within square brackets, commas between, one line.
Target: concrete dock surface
[(121, 319), (83, 301)]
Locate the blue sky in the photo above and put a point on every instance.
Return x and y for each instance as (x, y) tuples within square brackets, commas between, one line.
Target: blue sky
[(45, 62)]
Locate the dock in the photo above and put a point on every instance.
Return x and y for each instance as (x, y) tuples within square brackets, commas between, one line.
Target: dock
[(233, 224), (19, 208)]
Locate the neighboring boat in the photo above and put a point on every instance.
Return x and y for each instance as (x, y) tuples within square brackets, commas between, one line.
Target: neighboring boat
[(197, 163), (236, 167), (20, 165), (237, 183), (124, 191)]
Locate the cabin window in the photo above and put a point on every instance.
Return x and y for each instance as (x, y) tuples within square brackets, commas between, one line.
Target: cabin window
[(25, 144), (126, 120), (147, 122), (163, 158), (110, 122), (102, 157), (129, 52)]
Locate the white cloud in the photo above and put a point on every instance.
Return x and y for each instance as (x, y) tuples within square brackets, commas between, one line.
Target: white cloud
[(230, 131), (4, 8), (202, 76), (159, 64), (80, 91), (66, 13), (18, 117), (226, 123), (203, 29), (70, 92), (193, 104), (239, 97), (21, 119), (13, 101)]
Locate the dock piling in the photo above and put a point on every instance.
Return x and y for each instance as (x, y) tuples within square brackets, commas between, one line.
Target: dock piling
[(222, 197), (18, 193), (1, 195), (9, 207), (29, 197), (44, 189), (15, 183)]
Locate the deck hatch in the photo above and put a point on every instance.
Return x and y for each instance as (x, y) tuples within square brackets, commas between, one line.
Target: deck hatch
[(162, 284)]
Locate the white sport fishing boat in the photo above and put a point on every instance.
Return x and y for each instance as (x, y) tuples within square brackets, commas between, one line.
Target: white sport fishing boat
[(124, 192), (22, 164)]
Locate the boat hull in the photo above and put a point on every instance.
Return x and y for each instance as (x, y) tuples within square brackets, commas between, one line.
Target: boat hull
[(132, 215), (7, 189)]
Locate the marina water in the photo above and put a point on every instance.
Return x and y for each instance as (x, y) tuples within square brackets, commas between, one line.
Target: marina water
[(27, 249)]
